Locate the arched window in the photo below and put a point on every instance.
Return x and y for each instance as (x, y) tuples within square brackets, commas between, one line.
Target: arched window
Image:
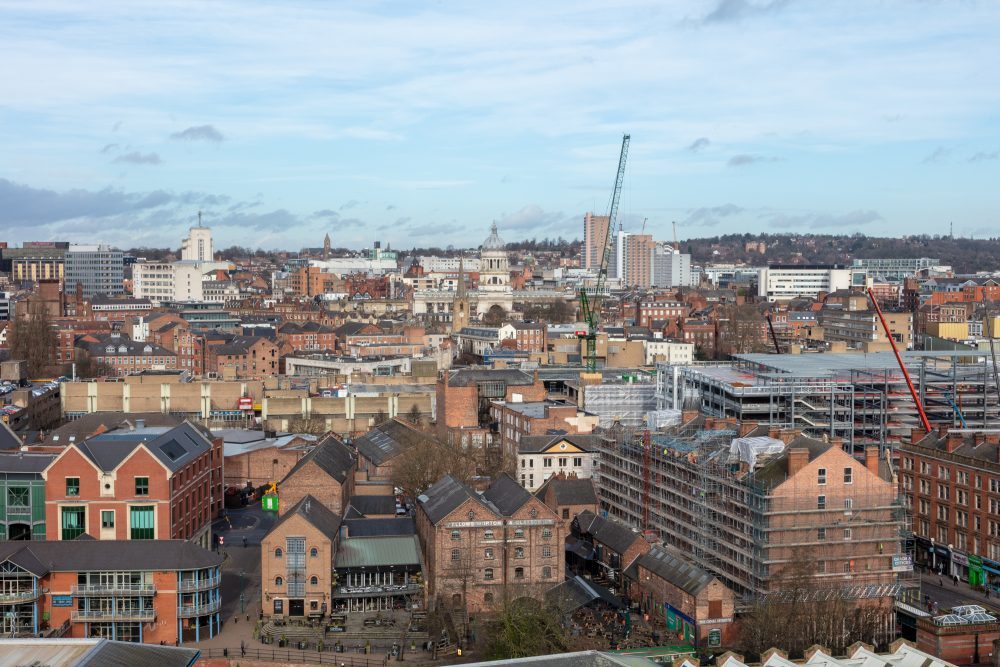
[(277, 552), (313, 552), (278, 581), (314, 580), (488, 598)]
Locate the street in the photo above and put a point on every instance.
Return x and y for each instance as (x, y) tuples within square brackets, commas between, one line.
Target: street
[(947, 595)]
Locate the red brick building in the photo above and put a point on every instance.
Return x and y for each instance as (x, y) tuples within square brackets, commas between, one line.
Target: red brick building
[(141, 484), (479, 547), (525, 336), (326, 473), (652, 311), (124, 356), (242, 358), (464, 399), (950, 482), (568, 497), (174, 333), (307, 336)]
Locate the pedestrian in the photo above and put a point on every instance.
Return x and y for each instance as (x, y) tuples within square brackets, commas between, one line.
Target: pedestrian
[(940, 581), (243, 649), (244, 541), (236, 619), (955, 576)]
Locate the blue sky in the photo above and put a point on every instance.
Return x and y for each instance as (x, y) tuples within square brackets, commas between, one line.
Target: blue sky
[(419, 123)]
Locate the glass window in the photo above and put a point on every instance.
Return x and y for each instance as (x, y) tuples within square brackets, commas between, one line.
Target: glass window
[(519, 573), (314, 580), (456, 535), (107, 519), (518, 533), (519, 552), (546, 551), (848, 475), (142, 486), (821, 502), (546, 572), (488, 574), (455, 554), (278, 581), (821, 476), (489, 553), (72, 486), (141, 522), (313, 552), (17, 496), (488, 535), (74, 522), (546, 533), (821, 534), (277, 552)]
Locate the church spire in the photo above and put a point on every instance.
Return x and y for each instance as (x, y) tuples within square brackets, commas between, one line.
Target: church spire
[(460, 289)]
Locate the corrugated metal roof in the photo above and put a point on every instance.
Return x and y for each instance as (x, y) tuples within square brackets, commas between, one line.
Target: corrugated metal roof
[(378, 551)]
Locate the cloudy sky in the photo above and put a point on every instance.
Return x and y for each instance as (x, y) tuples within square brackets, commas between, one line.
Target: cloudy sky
[(419, 123)]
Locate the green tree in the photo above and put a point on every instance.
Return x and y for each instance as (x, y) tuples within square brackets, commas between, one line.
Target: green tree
[(33, 340)]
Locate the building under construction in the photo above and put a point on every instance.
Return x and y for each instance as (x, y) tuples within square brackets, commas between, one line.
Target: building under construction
[(859, 398), (745, 501)]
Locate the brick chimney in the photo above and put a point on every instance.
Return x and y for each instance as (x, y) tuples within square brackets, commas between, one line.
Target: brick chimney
[(746, 427), (709, 423), (917, 434), (953, 442), (942, 430), (797, 460), (871, 459), (978, 439), (786, 435), (688, 415), (773, 432)]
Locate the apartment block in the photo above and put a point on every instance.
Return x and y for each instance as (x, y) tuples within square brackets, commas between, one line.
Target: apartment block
[(159, 592), (94, 270), (595, 236), (148, 483)]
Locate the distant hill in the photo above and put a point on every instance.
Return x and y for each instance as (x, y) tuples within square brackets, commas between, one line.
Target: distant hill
[(965, 255)]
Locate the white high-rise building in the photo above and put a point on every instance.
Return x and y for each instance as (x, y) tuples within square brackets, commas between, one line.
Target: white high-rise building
[(670, 268), (197, 247)]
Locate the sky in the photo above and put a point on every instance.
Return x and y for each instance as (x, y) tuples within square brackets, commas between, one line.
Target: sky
[(420, 123)]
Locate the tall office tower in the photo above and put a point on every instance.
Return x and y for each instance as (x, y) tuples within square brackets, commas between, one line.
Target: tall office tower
[(198, 245), (669, 267), (98, 268), (595, 230)]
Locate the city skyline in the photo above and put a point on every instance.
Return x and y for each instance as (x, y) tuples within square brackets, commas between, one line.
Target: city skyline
[(421, 126)]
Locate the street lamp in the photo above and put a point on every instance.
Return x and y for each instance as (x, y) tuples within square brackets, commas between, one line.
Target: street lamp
[(243, 602)]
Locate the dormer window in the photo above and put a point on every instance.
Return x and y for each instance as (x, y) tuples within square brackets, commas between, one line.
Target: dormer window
[(122, 349), (147, 350), (110, 349)]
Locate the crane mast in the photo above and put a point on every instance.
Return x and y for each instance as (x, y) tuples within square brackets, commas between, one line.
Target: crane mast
[(591, 308)]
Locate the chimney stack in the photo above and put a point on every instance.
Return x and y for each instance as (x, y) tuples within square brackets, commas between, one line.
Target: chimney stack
[(872, 459), (917, 434), (797, 460), (746, 427), (953, 442)]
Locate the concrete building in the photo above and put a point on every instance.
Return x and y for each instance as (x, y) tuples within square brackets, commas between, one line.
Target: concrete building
[(669, 268), (36, 261), (479, 547), (98, 269), (631, 259), (197, 247), (157, 592), (895, 268), (595, 235), (783, 282), (143, 484), (862, 330)]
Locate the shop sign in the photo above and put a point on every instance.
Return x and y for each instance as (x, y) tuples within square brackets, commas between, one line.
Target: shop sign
[(902, 563)]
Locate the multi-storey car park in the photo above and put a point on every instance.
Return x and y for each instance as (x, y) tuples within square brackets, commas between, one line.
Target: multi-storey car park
[(860, 398)]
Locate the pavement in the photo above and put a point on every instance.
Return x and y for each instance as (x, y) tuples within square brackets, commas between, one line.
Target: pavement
[(947, 594), (240, 574)]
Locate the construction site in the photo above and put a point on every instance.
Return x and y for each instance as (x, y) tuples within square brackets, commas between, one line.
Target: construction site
[(744, 501), (861, 399)]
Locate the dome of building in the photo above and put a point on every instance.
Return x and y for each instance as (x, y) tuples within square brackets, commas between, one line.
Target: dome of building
[(493, 242)]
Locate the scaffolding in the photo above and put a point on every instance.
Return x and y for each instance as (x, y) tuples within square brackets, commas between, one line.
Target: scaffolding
[(861, 399), (736, 520), (624, 403)]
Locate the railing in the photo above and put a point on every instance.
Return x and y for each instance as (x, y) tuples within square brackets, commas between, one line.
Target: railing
[(81, 615), (199, 584), (17, 510), (289, 656), (20, 596), (186, 611), (83, 590)]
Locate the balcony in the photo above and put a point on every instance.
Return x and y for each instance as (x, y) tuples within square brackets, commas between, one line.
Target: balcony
[(19, 597), (104, 590), (83, 616), (18, 510), (199, 585), (199, 610)]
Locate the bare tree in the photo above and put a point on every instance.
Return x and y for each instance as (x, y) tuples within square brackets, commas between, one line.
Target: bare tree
[(800, 613), (495, 316), (741, 330), (523, 626), (88, 367), (428, 461), (415, 416), (33, 340)]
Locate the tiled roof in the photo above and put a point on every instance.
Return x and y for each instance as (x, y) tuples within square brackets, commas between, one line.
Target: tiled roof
[(314, 512), (507, 495), (672, 568), (444, 497), (331, 455), (87, 555), (612, 534), (389, 439)]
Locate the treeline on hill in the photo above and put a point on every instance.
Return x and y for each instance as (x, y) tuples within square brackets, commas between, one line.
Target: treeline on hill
[(964, 254)]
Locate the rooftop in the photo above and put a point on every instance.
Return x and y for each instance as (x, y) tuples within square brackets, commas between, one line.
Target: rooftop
[(378, 551)]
